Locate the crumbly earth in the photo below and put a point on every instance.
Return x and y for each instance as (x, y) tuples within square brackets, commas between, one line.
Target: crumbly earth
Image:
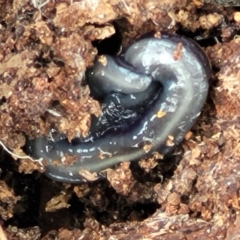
[(45, 48)]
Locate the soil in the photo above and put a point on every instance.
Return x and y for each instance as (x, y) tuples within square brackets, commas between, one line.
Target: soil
[(45, 48)]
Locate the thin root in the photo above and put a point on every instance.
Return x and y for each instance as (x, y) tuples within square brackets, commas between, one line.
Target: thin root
[(21, 157)]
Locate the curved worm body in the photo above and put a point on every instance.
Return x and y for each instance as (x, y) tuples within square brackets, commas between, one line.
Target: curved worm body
[(111, 75), (178, 65)]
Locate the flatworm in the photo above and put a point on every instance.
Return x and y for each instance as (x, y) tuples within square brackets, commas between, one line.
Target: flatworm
[(151, 96)]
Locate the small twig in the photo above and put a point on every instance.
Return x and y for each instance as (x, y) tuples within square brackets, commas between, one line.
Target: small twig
[(126, 6), (39, 3), (54, 112)]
